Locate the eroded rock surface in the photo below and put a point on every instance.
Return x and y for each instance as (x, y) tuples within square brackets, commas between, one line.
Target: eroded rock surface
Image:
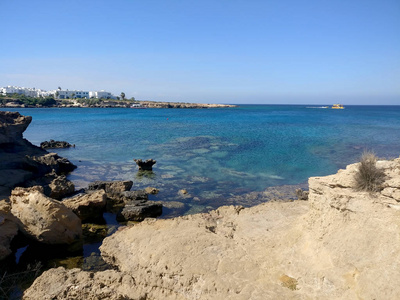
[(88, 206), (44, 219)]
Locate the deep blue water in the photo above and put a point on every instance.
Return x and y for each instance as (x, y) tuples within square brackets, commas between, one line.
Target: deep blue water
[(216, 153)]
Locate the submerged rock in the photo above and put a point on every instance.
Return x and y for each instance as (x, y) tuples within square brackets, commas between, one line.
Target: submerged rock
[(146, 165), (44, 219)]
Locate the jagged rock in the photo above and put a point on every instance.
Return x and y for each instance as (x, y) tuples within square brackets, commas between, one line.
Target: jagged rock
[(61, 187), (51, 161), (12, 125), (88, 206), (44, 219), (139, 211), (301, 195), (8, 229), (52, 144), (111, 186), (146, 165)]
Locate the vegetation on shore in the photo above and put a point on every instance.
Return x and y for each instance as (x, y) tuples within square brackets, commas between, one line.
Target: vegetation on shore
[(17, 100), (369, 177)]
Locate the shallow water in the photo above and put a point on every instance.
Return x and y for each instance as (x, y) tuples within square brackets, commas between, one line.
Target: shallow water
[(216, 154)]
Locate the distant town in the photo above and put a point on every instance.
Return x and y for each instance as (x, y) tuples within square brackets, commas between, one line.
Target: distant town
[(59, 93), (22, 97)]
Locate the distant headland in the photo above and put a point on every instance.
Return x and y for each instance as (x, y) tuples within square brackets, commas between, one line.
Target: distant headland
[(20, 97)]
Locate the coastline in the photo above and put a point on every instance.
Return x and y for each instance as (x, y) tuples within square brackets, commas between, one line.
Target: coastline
[(103, 103)]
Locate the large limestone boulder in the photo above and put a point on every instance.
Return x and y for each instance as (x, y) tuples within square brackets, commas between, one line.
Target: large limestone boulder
[(88, 206), (44, 219), (8, 229)]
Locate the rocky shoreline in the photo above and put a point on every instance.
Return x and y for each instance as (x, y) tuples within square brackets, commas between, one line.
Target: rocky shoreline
[(340, 244), (68, 103)]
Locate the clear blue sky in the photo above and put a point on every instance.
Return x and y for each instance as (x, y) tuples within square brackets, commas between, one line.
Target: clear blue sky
[(221, 51)]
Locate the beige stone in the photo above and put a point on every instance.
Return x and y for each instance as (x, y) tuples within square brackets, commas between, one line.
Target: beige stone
[(44, 219), (87, 206)]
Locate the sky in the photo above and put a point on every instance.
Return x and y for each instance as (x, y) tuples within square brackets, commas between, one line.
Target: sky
[(207, 51)]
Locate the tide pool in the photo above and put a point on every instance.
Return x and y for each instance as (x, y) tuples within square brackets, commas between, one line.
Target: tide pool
[(215, 154)]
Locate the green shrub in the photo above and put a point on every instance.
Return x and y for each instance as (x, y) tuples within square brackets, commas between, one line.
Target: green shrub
[(369, 177)]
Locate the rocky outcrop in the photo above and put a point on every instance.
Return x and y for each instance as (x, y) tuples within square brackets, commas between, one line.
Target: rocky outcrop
[(21, 163), (44, 219), (88, 206), (340, 244), (52, 144), (146, 165), (8, 229), (12, 125)]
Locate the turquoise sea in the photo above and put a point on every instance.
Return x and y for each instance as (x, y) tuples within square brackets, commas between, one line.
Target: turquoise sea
[(216, 154)]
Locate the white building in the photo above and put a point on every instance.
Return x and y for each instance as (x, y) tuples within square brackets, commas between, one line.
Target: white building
[(59, 93), (30, 92), (101, 94), (67, 94)]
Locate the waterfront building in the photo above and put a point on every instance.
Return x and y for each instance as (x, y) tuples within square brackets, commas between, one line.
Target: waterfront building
[(59, 93), (30, 92), (101, 94), (67, 94)]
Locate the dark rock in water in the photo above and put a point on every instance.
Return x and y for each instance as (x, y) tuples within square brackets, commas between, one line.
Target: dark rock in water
[(51, 161), (138, 212), (302, 195), (111, 186), (52, 144), (145, 165)]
